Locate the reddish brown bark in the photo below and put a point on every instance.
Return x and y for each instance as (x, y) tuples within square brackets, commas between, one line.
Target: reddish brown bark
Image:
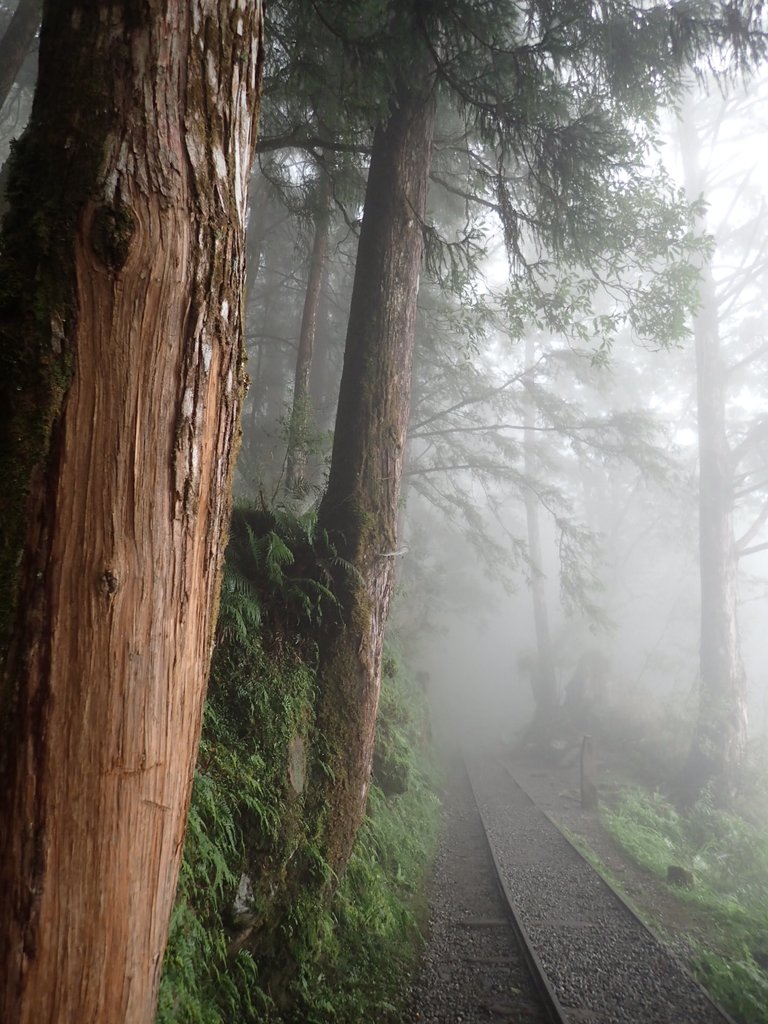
[(122, 353), (360, 506)]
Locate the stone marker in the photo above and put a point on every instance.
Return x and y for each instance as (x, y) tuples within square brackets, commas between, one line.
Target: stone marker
[(297, 764), (680, 876)]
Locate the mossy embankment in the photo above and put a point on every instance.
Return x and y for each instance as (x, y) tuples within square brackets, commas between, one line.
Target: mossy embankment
[(714, 863), (261, 931), (696, 871)]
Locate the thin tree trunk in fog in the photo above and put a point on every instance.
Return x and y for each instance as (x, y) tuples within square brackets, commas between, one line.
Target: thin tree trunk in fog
[(247, 468), (719, 741), (258, 203), (296, 456), (360, 506), (120, 383), (16, 42), (543, 678), (14, 47)]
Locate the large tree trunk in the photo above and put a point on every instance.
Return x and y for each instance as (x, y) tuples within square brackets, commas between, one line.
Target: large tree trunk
[(16, 42), (360, 506), (120, 385), (719, 742), (300, 420), (543, 678)]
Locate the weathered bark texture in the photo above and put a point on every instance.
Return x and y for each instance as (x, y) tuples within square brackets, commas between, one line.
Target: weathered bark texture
[(360, 506), (296, 456), (719, 743), (120, 386), (543, 678), (16, 42)]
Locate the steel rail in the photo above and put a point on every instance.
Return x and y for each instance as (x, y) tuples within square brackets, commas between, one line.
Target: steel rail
[(553, 1009), (630, 910)]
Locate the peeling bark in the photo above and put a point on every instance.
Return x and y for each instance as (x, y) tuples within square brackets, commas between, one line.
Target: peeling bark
[(360, 506), (120, 352)]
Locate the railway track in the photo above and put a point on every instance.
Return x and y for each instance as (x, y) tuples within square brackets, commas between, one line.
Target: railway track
[(477, 966), (597, 960), (523, 929), (550, 1004)]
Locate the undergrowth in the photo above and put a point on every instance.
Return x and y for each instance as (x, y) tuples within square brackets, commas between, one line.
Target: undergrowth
[(236, 922), (280, 573), (372, 934), (728, 857)]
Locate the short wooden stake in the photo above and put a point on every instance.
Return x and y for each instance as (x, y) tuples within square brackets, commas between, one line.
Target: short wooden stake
[(588, 775)]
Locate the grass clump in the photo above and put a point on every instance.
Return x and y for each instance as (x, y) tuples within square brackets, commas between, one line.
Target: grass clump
[(728, 857), (740, 985)]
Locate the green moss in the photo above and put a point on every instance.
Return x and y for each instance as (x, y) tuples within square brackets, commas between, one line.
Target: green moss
[(356, 972), (245, 823), (398, 731), (341, 723), (282, 949), (729, 858), (53, 171), (36, 300)]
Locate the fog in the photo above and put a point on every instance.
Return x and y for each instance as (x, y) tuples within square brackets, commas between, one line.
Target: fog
[(354, 353), (575, 404), (479, 644), (620, 567)]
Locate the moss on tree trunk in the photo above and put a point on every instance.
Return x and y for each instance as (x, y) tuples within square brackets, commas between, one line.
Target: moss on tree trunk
[(360, 506)]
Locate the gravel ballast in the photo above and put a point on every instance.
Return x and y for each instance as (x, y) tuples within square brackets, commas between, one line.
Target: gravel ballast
[(603, 964), (472, 969)]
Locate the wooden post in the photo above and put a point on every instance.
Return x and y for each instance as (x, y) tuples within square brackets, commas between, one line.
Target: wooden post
[(588, 775)]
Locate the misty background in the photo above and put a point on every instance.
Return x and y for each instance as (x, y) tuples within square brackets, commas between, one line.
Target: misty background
[(592, 428)]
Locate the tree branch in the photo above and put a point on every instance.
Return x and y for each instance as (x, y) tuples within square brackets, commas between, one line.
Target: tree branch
[(750, 490), (753, 550), (735, 367), (753, 436), (297, 139), (468, 196), (752, 532)]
